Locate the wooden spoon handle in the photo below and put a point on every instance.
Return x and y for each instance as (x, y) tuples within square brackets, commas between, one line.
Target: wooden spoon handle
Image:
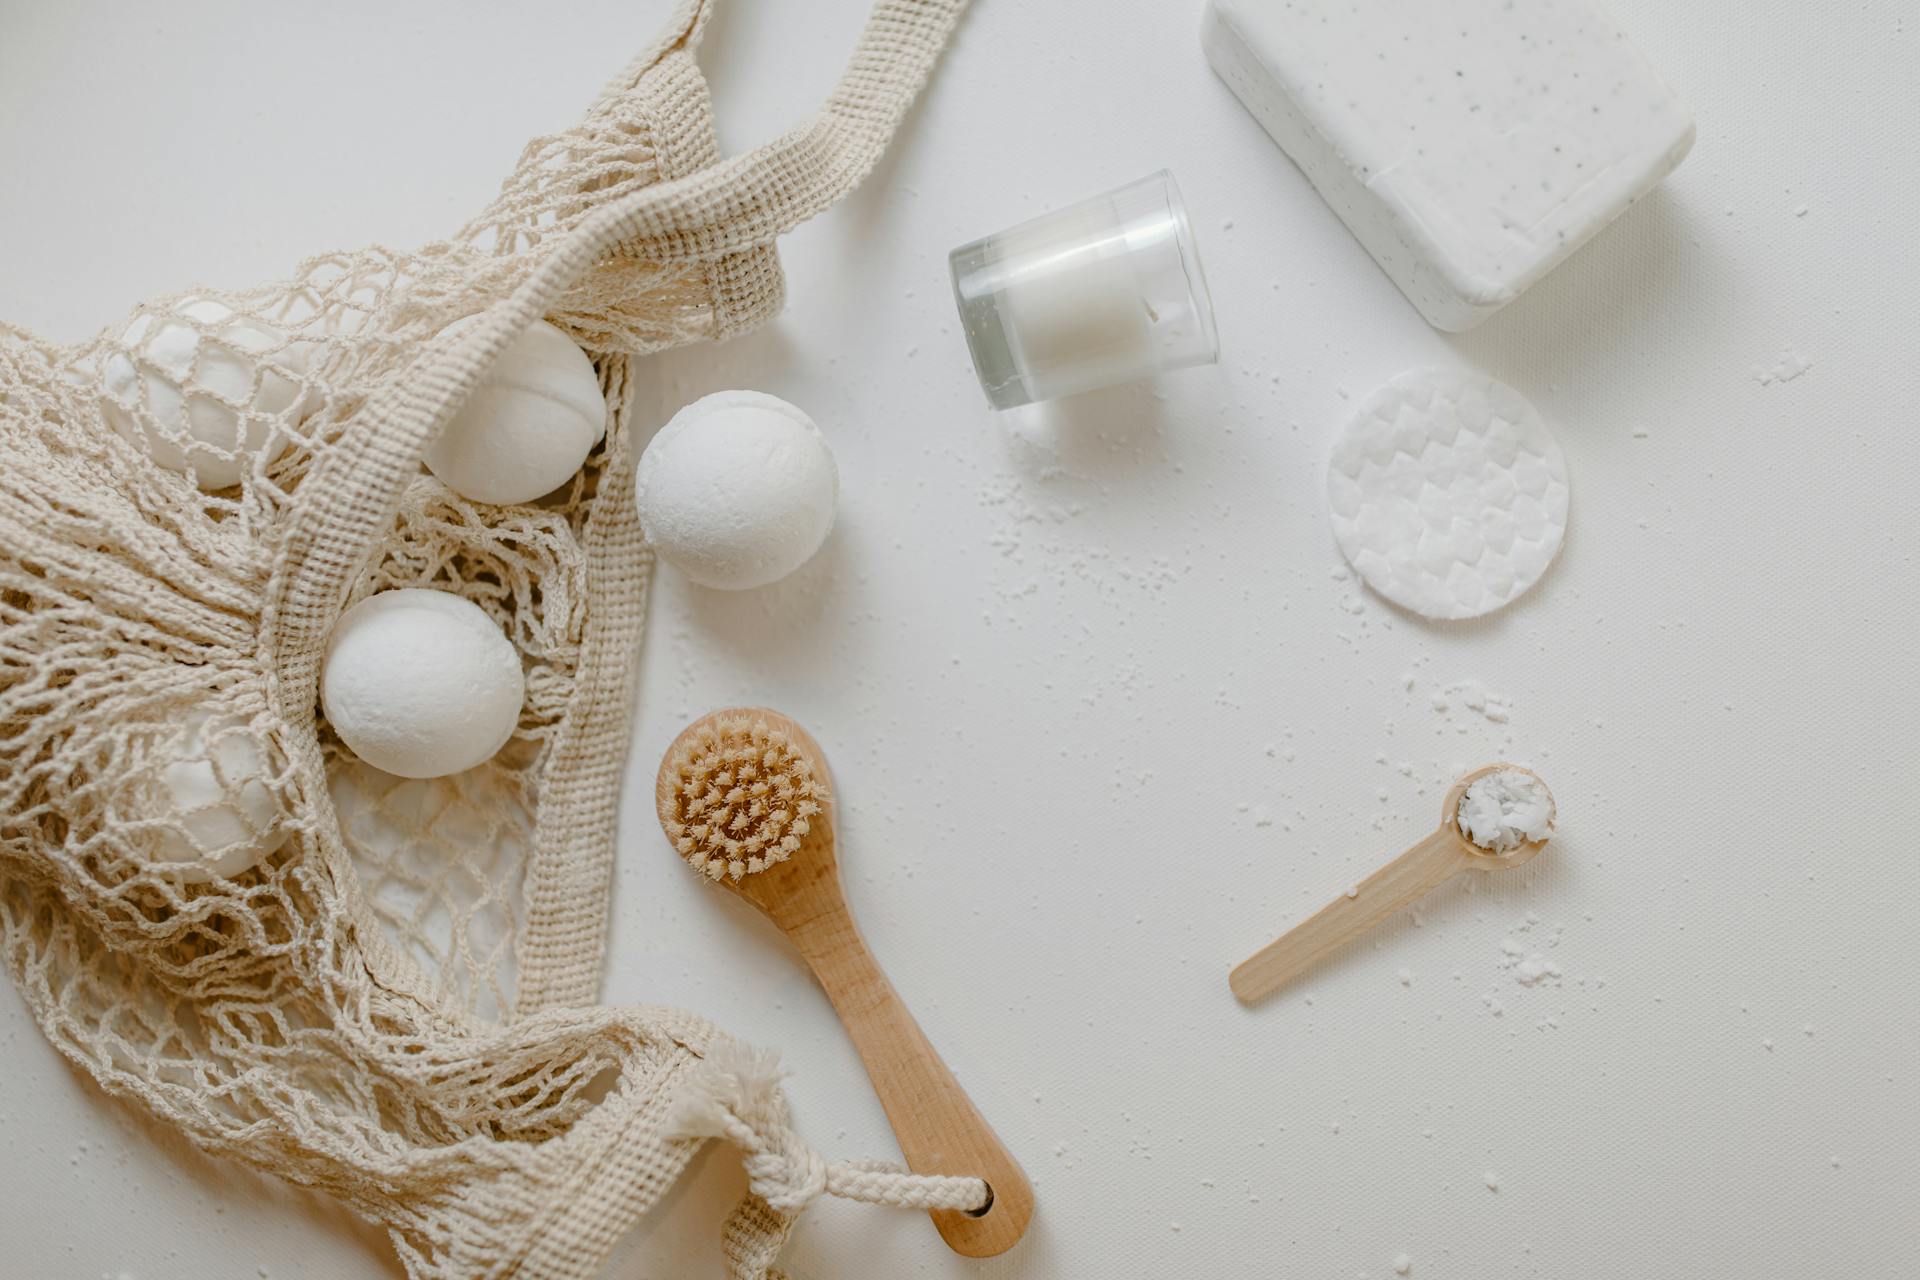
[(938, 1128), (1402, 881)]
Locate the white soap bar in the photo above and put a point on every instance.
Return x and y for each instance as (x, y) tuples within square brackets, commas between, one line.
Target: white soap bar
[(1469, 144)]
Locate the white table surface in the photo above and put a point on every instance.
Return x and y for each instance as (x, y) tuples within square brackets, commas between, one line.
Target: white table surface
[(1105, 713)]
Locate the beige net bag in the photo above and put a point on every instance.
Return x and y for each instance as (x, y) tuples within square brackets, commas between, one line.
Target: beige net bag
[(397, 1005)]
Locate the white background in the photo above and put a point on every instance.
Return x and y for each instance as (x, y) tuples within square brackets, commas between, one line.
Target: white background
[(1105, 715)]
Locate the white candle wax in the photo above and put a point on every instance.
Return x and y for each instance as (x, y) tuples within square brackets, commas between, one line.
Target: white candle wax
[(1076, 317)]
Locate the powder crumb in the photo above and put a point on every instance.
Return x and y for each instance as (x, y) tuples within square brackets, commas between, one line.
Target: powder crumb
[(1790, 365), (1534, 970), (1493, 1181), (1406, 977), (1402, 1264)]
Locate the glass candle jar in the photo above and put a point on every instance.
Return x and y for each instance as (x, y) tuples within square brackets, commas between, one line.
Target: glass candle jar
[(1105, 291)]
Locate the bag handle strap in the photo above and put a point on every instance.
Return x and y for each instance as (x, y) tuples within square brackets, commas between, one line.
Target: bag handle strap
[(750, 199)]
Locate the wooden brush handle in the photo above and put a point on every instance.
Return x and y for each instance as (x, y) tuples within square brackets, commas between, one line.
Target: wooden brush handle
[(1401, 882), (939, 1129)]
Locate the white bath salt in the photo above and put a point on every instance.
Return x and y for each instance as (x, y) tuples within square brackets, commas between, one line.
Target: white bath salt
[(1493, 1181), (1402, 1264), (1504, 810)]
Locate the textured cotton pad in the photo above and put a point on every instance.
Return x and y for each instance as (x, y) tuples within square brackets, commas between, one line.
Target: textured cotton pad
[(1448, 493)]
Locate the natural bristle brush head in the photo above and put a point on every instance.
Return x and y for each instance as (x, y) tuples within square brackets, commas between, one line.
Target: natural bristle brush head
[(739, 791)]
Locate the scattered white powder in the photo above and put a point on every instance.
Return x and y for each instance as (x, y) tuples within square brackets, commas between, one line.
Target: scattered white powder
[(1504, 810)]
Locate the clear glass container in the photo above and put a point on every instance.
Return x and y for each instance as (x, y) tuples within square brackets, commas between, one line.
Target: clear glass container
[(1105, 291)]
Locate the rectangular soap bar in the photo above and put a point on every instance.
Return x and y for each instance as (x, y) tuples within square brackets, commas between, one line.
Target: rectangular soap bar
[(1469, 144)]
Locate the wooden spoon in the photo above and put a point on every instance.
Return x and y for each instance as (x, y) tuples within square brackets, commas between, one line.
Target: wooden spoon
[(1406, 879), (792, 876)]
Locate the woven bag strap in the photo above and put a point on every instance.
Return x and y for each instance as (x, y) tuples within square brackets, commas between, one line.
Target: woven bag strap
[(751, 198), (747, 200)]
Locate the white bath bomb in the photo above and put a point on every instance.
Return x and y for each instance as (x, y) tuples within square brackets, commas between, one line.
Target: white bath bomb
[(528, 427), (188, 394), (210, 790), (421, 683), (738, 490)]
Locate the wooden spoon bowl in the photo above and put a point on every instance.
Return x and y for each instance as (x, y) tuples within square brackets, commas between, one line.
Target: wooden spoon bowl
[(1478, 858)]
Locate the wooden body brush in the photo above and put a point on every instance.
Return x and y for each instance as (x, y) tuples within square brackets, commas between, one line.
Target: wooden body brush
[(743, 794)]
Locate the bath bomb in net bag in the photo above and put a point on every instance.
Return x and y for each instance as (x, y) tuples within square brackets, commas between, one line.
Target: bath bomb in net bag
[(209, 795), (202, 389), (421, 683), (1447, 493), (527, 429), (738, 490)]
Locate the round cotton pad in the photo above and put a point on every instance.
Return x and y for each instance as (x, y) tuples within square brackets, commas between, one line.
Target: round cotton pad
[(1448, 493)]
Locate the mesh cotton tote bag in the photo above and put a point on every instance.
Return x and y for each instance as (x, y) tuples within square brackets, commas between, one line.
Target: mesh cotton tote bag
[(397, 1006)]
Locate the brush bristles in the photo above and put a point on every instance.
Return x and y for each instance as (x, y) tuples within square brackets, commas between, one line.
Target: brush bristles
[(743, 797)]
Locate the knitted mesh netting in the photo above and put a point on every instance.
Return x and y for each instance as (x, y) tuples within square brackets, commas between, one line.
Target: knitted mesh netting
[(397, 1006)]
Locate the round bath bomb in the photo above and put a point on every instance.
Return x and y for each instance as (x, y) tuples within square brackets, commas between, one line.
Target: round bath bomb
[(210, 790), (738, 490), (1448, 493), (179, 389), (528, 427), (421, 683)]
